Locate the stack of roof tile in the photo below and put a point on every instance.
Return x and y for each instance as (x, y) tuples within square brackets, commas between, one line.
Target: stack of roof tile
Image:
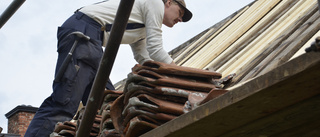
[(69, 128), (102, 125), (95, 130), (64, 129), (156, 93)]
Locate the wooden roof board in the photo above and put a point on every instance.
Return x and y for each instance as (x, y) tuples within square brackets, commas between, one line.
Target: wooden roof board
[(230, 34), (243, 53), (275, 103), (274, 54), (252, 34), (299, 23), (264, 41), (195, 47)]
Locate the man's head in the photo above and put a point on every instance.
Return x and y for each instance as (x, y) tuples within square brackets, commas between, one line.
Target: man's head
[(175, 11)]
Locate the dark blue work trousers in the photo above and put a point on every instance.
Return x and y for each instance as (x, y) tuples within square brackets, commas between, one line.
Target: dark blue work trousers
[(78, 78)]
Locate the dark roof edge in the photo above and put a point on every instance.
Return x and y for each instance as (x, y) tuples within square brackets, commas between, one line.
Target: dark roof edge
[(22, 108)]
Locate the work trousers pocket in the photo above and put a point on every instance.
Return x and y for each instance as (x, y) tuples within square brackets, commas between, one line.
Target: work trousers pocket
[(89, 52), (62, 91)]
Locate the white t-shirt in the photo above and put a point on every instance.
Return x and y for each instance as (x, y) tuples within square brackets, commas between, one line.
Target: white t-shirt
[(146, 43)]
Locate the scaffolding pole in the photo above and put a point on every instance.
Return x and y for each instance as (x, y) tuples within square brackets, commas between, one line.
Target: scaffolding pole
[(12, 8)]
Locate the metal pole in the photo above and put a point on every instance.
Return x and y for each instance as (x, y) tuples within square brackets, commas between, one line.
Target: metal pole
[(105, 67), (13, 7)]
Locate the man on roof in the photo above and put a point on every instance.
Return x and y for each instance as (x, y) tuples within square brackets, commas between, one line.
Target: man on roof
[(143, 34)]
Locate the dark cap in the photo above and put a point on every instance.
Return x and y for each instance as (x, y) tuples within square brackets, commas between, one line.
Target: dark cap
[(187, 14)]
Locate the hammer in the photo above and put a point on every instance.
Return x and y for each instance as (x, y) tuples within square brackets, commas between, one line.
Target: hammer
[(79, 35)]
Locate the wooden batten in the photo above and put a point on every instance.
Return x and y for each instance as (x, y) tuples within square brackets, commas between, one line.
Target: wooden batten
[(262, 42), (230, 34), (296, 41), (193, 48), (203, 41), (281, 10), (277, 48), (254, 32)]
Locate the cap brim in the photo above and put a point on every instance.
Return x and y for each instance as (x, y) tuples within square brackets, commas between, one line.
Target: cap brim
[(187, 14)]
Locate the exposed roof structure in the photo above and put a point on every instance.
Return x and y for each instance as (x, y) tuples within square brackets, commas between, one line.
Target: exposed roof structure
[(254, 40)]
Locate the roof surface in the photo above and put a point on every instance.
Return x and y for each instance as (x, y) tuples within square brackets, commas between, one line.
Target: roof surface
[(252, 41), (275, 91)]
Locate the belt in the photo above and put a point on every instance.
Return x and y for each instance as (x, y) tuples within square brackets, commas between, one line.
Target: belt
[(130, 26)]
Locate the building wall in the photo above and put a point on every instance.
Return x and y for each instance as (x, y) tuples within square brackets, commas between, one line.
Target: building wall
[(19, 122)]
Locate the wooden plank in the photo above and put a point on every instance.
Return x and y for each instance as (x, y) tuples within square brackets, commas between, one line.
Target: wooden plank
[(228, 36), (200, 43), (256, 65), (194, 47), (253, 33), (259, 98), (181, 48), (261, 43), (290, 46)]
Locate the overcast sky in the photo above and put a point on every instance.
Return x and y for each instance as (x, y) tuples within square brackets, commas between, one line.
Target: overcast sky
[(28, 45)]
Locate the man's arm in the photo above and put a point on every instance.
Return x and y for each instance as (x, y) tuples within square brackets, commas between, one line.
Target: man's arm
[(153, 17), (140, 52)]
